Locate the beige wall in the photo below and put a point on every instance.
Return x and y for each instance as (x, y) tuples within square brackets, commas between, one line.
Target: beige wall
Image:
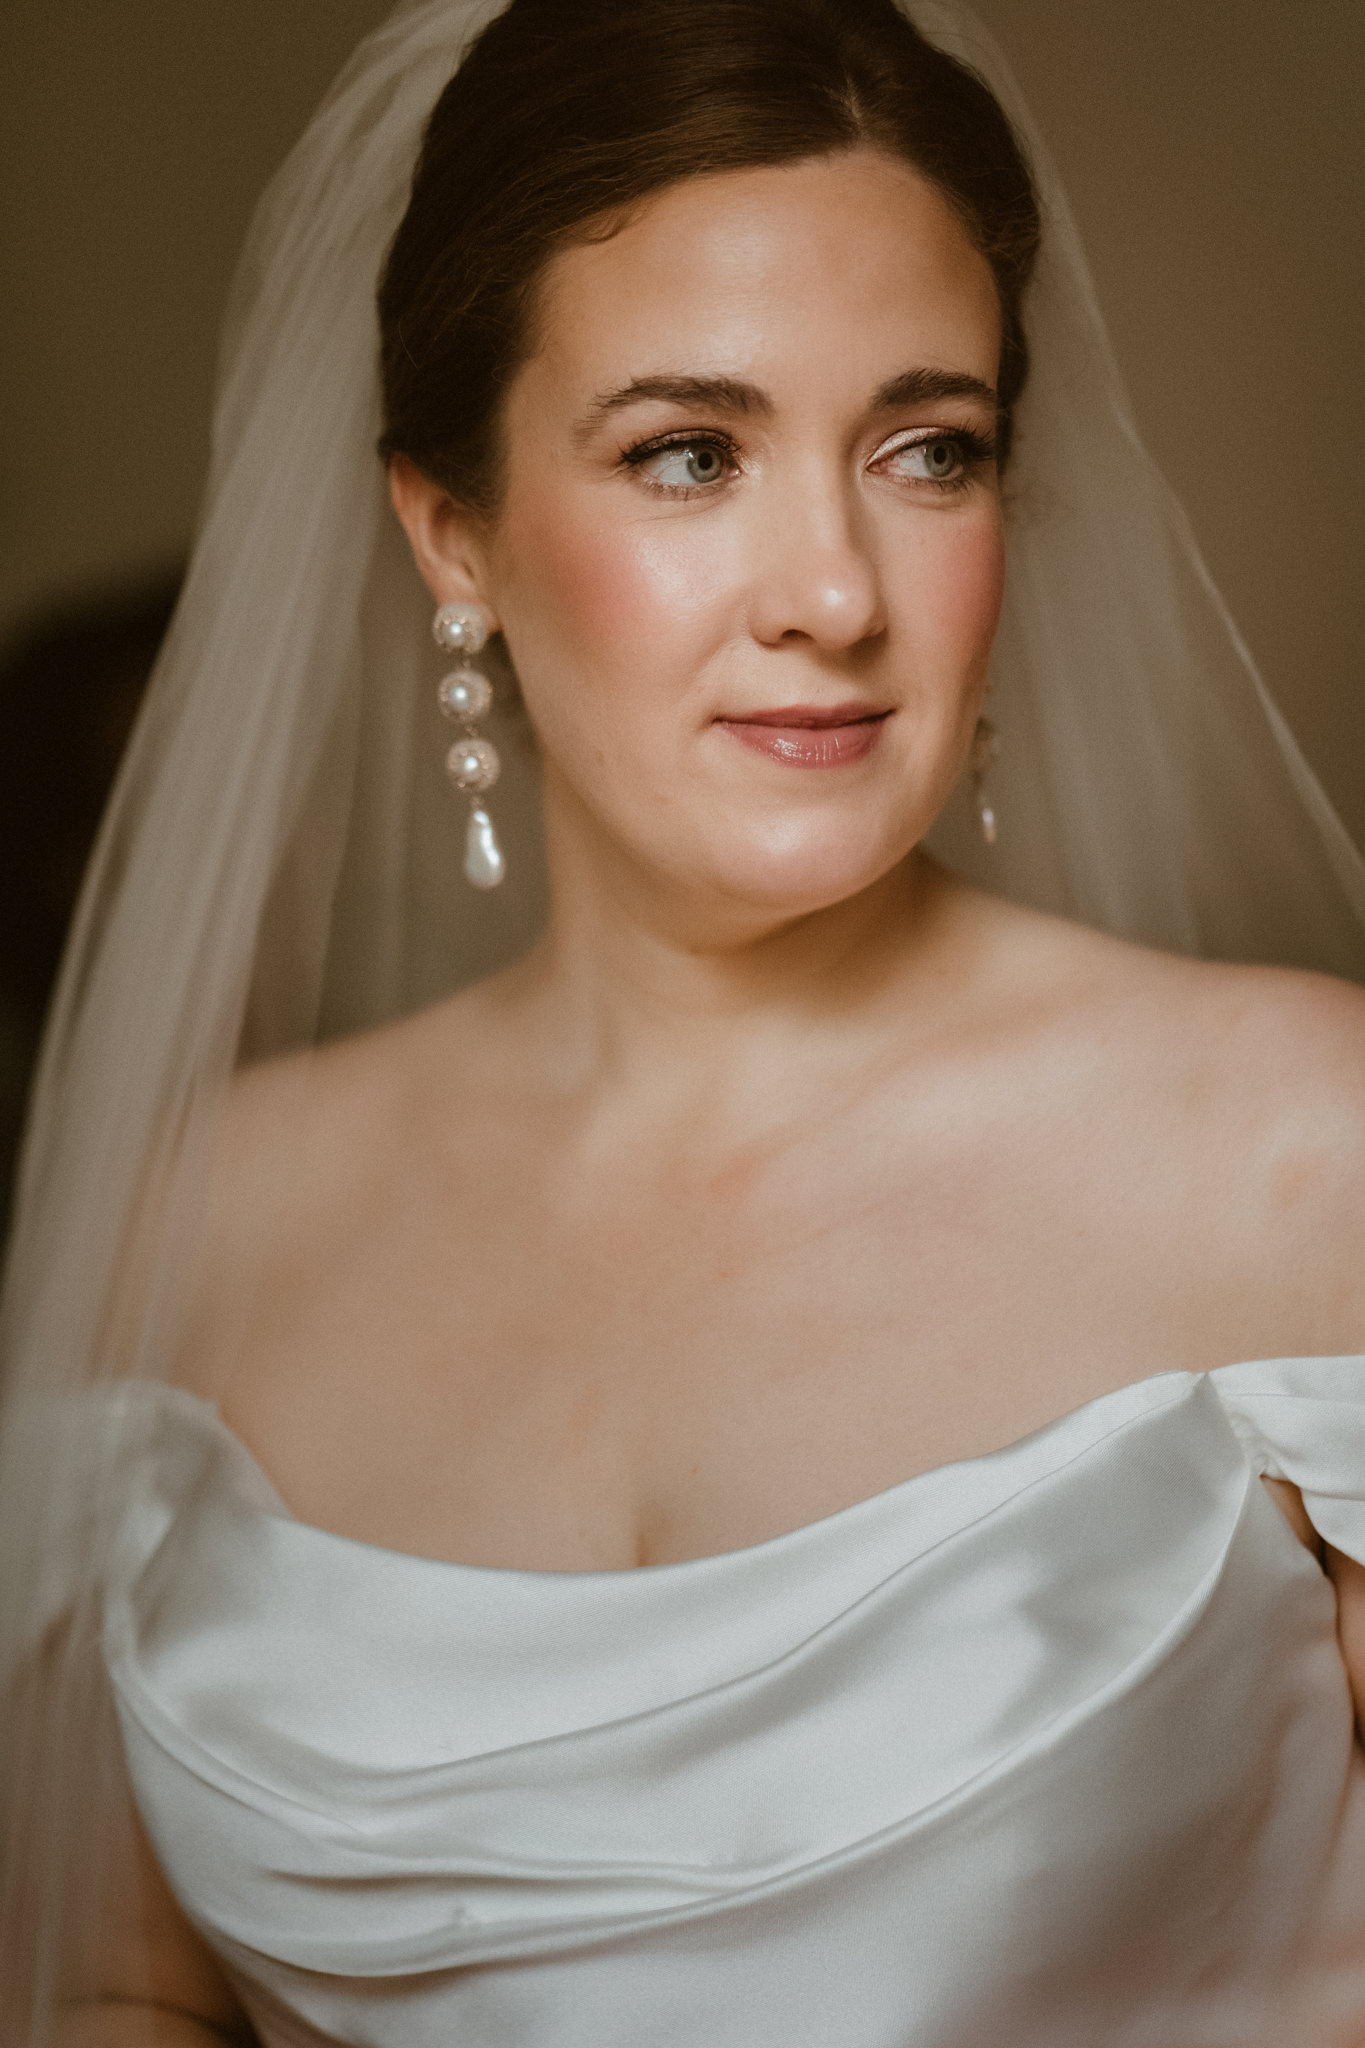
[(1215, 151), (1215, 155)]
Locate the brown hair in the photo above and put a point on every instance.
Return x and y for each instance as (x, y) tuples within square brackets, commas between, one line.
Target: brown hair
[(566, 114)]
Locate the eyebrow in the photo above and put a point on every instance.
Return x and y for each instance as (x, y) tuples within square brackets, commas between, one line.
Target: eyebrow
[(918, 387), (719, 394), (733, 395)]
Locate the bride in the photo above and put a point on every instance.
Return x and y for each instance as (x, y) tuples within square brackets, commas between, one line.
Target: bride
[(696, 1486)]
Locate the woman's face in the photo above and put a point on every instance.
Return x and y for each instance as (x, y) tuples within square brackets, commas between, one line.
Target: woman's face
[(749, 556)]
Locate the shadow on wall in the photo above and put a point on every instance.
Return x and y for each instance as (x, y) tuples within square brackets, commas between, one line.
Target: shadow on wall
[(70, 685)]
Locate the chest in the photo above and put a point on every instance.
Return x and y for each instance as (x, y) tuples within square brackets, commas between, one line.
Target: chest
[(595, 1361)]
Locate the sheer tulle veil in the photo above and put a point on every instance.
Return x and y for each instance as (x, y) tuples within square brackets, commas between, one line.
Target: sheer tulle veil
[(281, 861)]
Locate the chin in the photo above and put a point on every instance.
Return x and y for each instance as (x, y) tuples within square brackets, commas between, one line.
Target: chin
[(794, 873)]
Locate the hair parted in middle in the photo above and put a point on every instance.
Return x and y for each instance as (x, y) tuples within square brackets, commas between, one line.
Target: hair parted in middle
[(566, 115)]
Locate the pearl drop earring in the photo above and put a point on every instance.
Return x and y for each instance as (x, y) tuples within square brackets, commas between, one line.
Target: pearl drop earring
[(472, 764), (985, 752)]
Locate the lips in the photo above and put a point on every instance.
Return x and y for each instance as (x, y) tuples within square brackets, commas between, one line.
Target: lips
[(811, 735)]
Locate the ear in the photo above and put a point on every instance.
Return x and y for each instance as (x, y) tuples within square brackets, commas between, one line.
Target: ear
[(444, 538)]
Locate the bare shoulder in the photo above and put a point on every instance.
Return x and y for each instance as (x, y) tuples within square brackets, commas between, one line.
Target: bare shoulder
[(1241, 1090), (312, 1150), (1267, 1048), (1281, 1058), (1274, 1074), (1245, 1035)]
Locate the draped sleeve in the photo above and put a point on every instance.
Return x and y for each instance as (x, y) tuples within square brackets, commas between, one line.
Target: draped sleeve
[(1303, 1419)]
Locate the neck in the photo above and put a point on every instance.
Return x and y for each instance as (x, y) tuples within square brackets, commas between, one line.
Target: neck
[(641, 983)]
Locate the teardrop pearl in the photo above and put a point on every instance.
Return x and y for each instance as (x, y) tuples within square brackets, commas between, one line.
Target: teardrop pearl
[(484, 865)]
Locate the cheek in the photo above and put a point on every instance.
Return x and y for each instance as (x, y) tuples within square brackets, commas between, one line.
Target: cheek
[(953, 599), (617, 605)]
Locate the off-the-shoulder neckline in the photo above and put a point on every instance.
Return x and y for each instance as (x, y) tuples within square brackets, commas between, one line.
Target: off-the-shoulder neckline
[(1086, 1422)]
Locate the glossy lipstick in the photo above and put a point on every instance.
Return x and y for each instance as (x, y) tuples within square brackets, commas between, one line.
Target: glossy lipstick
[(811, 735)]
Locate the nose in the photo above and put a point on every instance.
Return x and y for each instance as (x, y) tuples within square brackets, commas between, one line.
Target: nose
[(815, 579)]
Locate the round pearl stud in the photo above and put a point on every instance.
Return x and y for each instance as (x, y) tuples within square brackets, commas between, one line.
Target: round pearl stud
[(473, 766), (466, 696), (460, 628)]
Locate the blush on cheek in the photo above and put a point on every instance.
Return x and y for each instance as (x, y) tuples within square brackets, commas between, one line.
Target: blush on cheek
[(624, 602), (960, 599), (584, 580)]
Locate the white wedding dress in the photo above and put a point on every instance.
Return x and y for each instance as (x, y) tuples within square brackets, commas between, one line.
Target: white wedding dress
[(1051, 1747)]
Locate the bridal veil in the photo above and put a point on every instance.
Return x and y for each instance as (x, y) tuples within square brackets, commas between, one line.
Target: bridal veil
[(281, 862)]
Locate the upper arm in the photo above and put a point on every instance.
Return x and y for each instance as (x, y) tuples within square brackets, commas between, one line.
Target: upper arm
[(146, 1955), (1349, 1579), (129, 1966), (1309, 1034), (1290, 1067)]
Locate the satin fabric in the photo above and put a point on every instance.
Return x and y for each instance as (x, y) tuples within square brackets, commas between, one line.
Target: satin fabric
[(1054, 1747)]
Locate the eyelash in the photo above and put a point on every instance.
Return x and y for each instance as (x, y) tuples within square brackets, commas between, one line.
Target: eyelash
[(636, 457), (978, 451)]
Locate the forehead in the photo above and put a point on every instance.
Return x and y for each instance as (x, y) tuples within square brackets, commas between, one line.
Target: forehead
[(852, 266)]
